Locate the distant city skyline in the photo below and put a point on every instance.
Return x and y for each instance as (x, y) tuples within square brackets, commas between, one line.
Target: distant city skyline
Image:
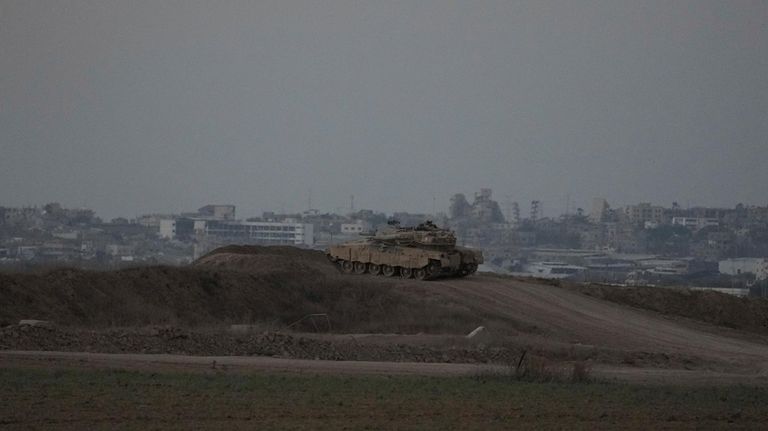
[(243, 212), (131, 108)]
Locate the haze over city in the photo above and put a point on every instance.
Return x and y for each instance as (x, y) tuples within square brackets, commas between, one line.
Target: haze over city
[(136, 107), (383, 214)]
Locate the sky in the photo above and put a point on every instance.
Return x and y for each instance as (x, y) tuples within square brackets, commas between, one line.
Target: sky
[(131, 107)]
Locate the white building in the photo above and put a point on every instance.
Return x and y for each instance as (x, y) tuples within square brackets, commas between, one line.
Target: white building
[(695, 223), (270, 233), (242, 232), (152, 220), (745, 265), (119, 250), (168, 228), (355, 228)]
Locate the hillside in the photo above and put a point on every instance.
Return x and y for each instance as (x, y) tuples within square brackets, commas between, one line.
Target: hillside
[(244, 285), (275, 287)]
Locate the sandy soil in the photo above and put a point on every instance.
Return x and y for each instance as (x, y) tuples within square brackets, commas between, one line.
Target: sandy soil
[(548, 315), (566, 316), (236, 364), (251, 284), (251, 364)]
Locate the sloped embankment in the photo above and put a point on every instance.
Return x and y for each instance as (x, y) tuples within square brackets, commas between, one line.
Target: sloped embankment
[(748, 314), (169, 340), (236, 284)]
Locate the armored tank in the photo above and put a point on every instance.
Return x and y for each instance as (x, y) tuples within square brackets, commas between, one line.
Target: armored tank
[(425, 252)]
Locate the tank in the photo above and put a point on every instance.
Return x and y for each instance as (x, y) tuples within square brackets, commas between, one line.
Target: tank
[(425, 252)]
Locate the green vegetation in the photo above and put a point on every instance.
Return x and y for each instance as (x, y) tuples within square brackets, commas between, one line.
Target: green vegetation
[(84, 399)]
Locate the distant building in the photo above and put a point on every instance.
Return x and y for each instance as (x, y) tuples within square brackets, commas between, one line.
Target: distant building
[(119, 250), (268, 233), (459, 208), (599, 209), (757, 214), (644, 212), (168, 228), (217, 212), (485, 209), (745, 265), (152, 221), (695, 223), (239, 232), (651, 225), (355, 228)]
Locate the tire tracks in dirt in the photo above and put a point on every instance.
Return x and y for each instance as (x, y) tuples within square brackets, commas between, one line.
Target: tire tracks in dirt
[(570, 317)]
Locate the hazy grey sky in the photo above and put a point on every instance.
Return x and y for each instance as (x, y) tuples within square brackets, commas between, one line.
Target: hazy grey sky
[(141, 106)]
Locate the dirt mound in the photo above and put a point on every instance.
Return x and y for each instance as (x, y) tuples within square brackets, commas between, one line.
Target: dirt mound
[(749, 314), (278, 286), (217, 342), (268, 260), (232, 285)]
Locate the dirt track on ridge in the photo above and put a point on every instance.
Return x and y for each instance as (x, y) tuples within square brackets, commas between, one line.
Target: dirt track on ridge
[(564, 316), (281, 284), (546, 315)]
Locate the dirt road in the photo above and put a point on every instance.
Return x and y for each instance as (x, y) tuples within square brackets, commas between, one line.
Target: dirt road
[(617, 340), (237, 364), (568, 317), (251, 364)]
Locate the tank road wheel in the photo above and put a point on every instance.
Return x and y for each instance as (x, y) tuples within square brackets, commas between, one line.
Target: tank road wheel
[(359, 268), (433, 270), (374, 269), (347, 266), (388, 271), (467, 269), (406, 272), (420, 274), (460, 272)]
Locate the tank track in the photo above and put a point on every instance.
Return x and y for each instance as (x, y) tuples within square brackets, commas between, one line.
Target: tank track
[(429, 272)]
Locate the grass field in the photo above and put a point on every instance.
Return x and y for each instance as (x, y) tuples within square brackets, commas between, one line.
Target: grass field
[(104, 399)]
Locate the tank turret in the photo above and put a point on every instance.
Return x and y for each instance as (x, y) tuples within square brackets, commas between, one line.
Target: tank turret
[(425, 234)]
